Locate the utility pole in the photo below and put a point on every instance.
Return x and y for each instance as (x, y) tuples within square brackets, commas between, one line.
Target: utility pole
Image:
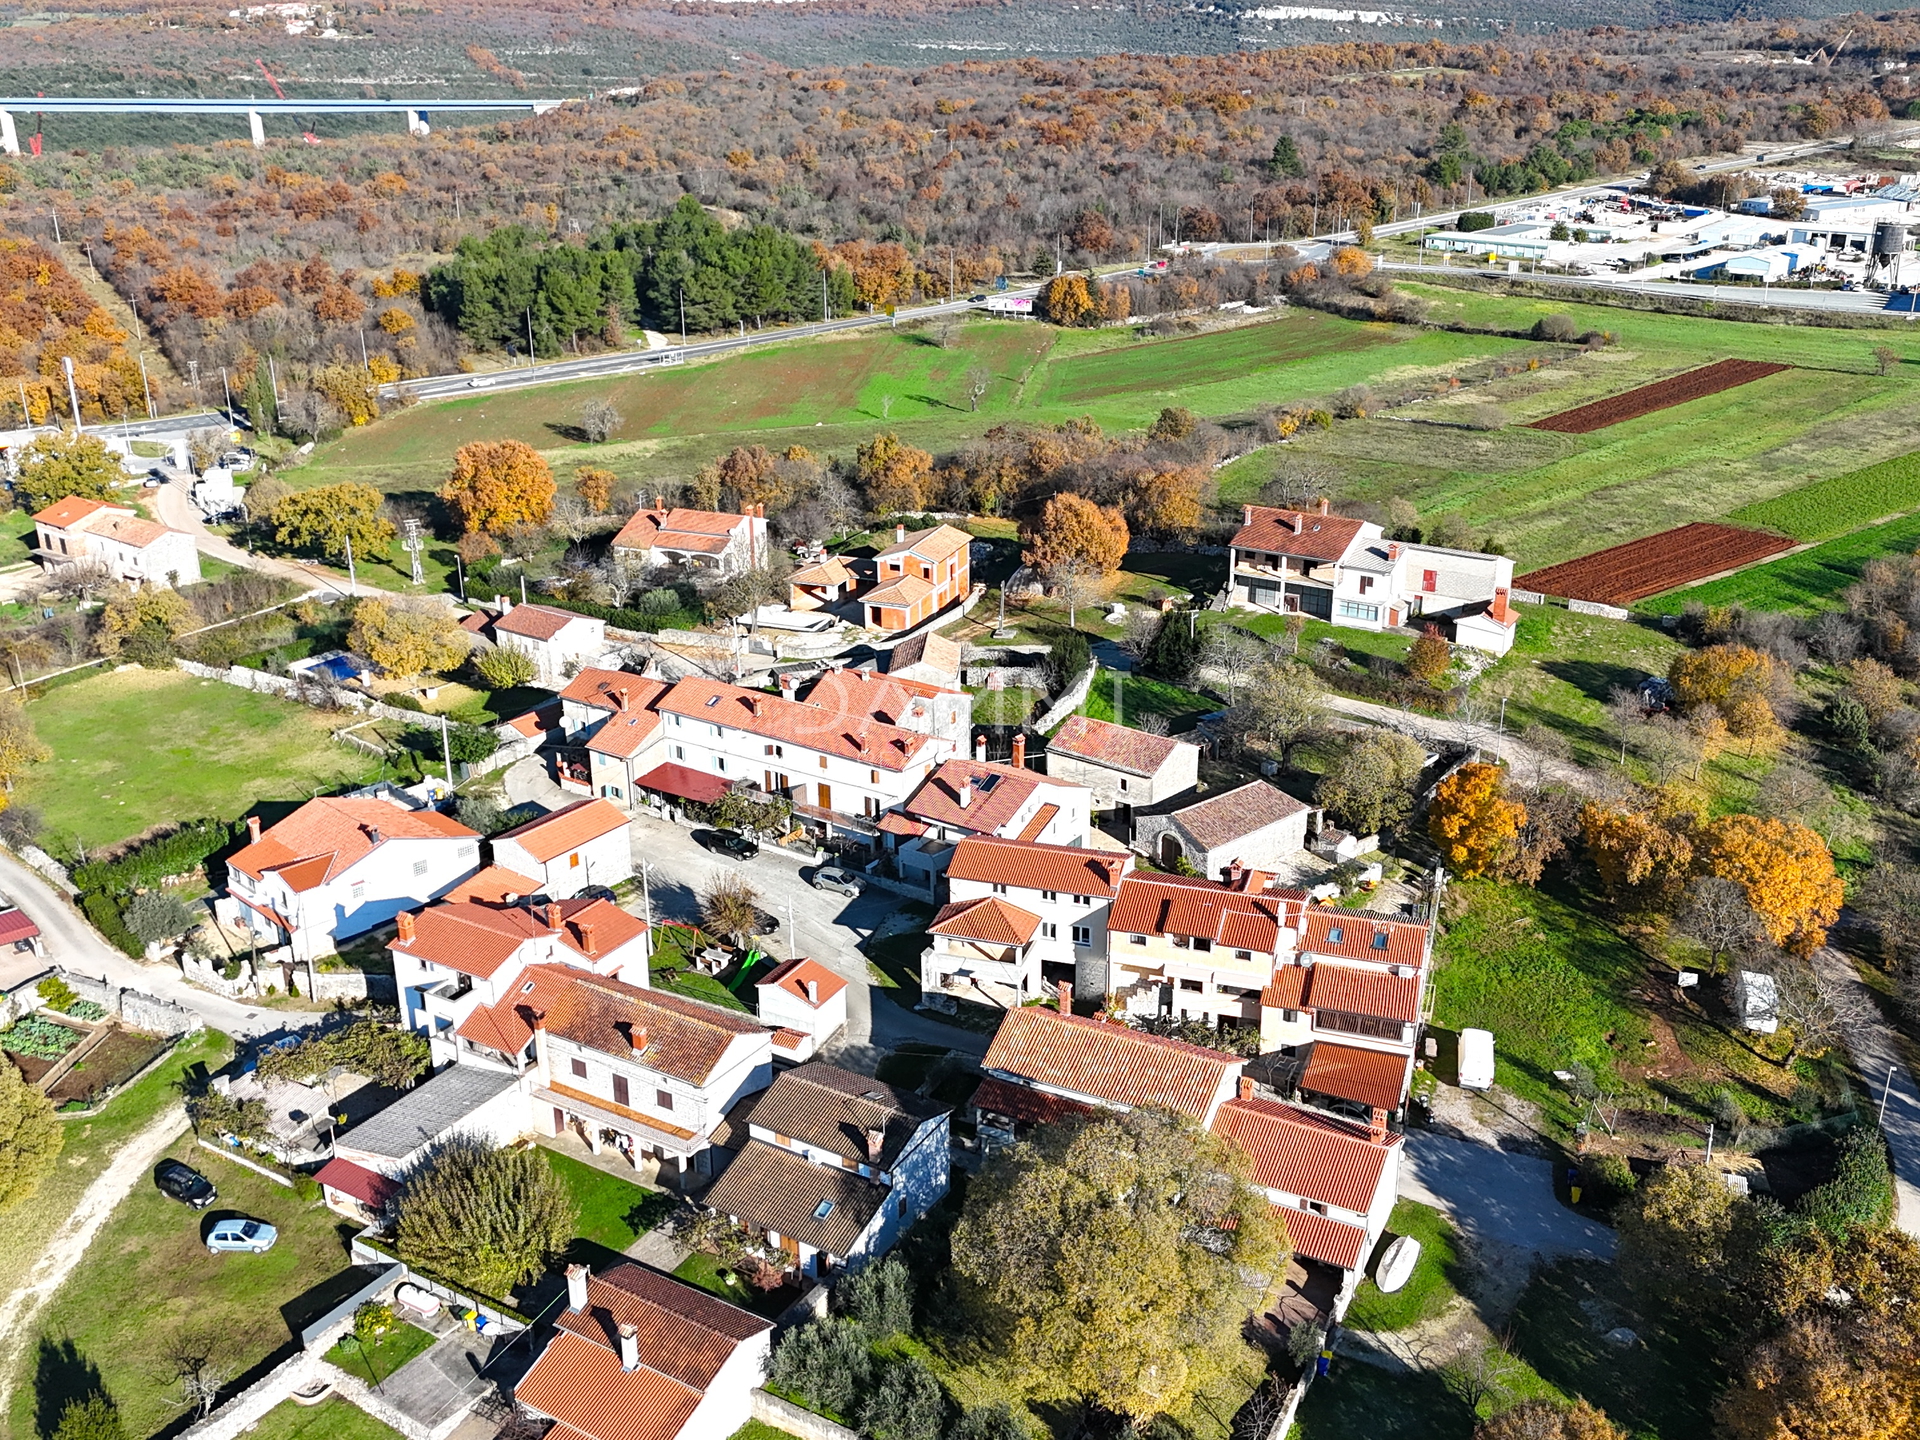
[(1885, 1092), (353, 580), (147, 386), (273, 376), (224, 385), (193, 370), (413, 545), (446, 751), (523, 587), (365, 364), (683, 313), (529, 337), (73, 394)]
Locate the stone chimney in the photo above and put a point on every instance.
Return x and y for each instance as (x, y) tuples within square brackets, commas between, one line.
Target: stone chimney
[(966, 793), (629, 1347), (1246, 1088), (753, 704), (1020, 750), (1377, 1125), (813, 992), (1066, 997), (659, 502), (876, 1145), (405, 921), (373, 834), (980, 747), (253, 829), (1326, 506), (577, 1287), (553, 914), (502, 604), (637, 1036), (620, 699), (587, 942)]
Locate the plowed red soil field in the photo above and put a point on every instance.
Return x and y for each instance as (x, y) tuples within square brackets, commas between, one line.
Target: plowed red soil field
[(1676, 390), (1630, 572)]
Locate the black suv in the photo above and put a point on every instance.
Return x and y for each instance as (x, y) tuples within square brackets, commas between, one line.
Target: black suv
[(729, 842), (182, 1182)]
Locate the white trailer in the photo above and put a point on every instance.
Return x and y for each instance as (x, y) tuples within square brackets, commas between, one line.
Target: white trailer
[(1476, 1059)]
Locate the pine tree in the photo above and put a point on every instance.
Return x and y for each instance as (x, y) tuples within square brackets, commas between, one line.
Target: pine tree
[(1286, 158)]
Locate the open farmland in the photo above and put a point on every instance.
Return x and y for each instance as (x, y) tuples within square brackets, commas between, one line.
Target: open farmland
[(1661, 395), (1623, 574), (1806, 581), (1845, 503)]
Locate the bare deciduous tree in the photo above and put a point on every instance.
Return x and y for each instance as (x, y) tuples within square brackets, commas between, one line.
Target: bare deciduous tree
[(1234, 655), (192, 1365), (1717, 915), (978, 379), (598, 420)]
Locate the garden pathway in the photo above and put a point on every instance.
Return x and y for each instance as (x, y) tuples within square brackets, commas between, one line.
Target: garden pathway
[(1441, 730), (1876, 1053)]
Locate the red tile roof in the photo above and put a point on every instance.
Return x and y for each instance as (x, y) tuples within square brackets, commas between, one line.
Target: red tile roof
[(1187, 905), (580, 1384), (1306, 1152), (535, 622), (792, 976), (685, 1038), (327, 836), (886, 698), (601, 689), (537, 721), (705, 532), (683, 783), (1347, 1072), (1220, 820), (929, 649), (67, 513), (16, 925), (624, 734), (369, 1187), (1293, 532), (1109, 1064), (1114, 746), (989, 919), (935, 544), (894, 823), (1323, 1238), (998, 793), (908, 590), (840, 1112), (1065, 869), (831, 571), (552, 835), (1042, 818), (1347, 989), (811, 727), (127, 529), (1024, 1105), (1357, 935), (492, 886), (477, 939)]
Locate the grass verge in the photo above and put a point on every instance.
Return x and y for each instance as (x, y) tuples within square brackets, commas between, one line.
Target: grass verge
[(389, 1353), (1431, 1287), (613, 1212), (332, 1419)]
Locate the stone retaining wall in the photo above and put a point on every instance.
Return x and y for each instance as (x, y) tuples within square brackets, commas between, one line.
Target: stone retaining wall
[(770, 1409)]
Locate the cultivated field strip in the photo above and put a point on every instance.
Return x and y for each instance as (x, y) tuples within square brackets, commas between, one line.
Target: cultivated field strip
[(1660, 395), (1626, 573)]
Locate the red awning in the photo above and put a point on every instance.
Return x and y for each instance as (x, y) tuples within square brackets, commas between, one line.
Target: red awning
[(685, 783), (15, 926), (371, 1189)]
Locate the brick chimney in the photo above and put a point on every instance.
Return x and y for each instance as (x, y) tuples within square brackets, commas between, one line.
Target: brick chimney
[(577, 1287), (1377, 1125), (899, 534), (966, 793), (1393, 551), (1246, 1088), (587, 942), (405, 921), (253, 829), (553, 914), (1246, 514), (1020, 750), (1236, 874), (620, 699), (753, 704), (1066, 997), (876, 1144), (637, 1036), (629, 1347), (980, 747), (788, 684)]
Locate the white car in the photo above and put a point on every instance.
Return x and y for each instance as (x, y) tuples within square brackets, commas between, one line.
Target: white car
[(480, 382)]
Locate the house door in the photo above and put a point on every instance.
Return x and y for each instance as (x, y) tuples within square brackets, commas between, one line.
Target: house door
[(826, 796), (1169, 851)]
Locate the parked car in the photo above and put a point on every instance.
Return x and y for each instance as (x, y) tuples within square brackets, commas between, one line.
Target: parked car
[(728, 842), (841, 882), (241, 1233), (179, 1181), (595, 892)]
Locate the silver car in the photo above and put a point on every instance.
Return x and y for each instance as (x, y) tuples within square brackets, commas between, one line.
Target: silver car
[(841, 882), (241, 1233)]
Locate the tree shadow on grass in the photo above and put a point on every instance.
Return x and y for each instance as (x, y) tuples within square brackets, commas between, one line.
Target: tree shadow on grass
[(1596, 679), (62, 1376)]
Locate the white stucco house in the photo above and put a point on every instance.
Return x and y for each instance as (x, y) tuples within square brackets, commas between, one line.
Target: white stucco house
[(559, 642), (338, 866), (589, 842), (75, 532), (806, 998)]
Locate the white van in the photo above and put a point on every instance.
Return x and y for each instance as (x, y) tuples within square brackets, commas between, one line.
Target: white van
[(1476, 1059)]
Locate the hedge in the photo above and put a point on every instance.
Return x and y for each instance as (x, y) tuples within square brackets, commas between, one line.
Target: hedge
[(150, 862), (104, 912)]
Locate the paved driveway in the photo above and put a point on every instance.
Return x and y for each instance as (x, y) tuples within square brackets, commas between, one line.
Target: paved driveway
[(1877, 1056), (1499, 1198)]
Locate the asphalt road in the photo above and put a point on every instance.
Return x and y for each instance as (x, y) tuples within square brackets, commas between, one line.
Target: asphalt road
[(829, 927), (1498, 1196), (1877, 1057)]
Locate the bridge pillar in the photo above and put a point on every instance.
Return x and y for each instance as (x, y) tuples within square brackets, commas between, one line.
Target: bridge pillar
[(9, 137), (259, 130), (417, 123)]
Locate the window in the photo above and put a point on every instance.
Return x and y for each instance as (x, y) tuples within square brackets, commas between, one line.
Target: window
[(579, 1068), (1191, 985), (663, 1098), (823, 762), (675, 719), (1082, 900), (1366, 584), (998, 888), (1049, 930), (777, 751), (1123, 786), (1049, 894), (1354, 610), (823, 1210), (1336, 935), (359, 889), (1083, 935), (573, 861), (1138, 939), (679, 752), (873, 777), (1380, 939), (1200, 943), (620, 1095), (419, 867), (1243, 955), (1315, 1206), (1429, 580), (720, 763)]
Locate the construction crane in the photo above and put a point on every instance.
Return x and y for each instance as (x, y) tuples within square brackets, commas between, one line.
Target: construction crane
[(270, 80)]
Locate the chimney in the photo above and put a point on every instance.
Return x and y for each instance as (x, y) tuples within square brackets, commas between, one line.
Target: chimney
[(899, 534), (620, 699), (1393, 551), (405, 921), (788, 683), (629, 1347), (1066, 997), (373, 834), (1326, 506), (1020, 750), (876, 1142), (253, 829), (637, 1036), (753, 704), (553, 915), (1246, 1092), (586, 940), (966, 793), (1236, 874), (813, 992), (980, 748), (502, 604), (659, 502), (577, 1287), (1377, 1125)]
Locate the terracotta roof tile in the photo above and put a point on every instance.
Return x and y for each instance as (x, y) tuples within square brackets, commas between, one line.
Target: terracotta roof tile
[(129, 530), (1222, 819), (886, 698), (336, 833), (535, 622), (998, 793), (537, 721), (1023, 1104), (66, 514), (834, 1110), (1042, 818), (935, 544), (683, 782), (1114, 746), (492, 886), (900, 590), (552, 835), (624, 735), (1368, 1077), (1065, 869), (930, 649), (812, 727), (703, 531), (773, 1189), (1323, 1238), (599, 688), (1347, 989), (989, 919), (369, 1187), (791, 976), (1306, 1152), (580, 1384), (831, 571), (685, 1334), (1292, 532), (1358, 935), (1204, 909), (1109, 1064)]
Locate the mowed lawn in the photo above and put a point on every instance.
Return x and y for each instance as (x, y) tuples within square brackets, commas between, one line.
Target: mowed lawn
[(148, 1283), (138, 747), (332, 1419)]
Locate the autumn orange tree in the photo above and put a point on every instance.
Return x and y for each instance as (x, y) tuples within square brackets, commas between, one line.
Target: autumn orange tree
[(1166, 502), (1786, 871), (1065, 300), (1643, 858), (595, 486), (1074, 530), (497, 485), (1545, 1420), (1735, 680), (1429, 656), (1472, 821), (1815, 1381), (895, 476)]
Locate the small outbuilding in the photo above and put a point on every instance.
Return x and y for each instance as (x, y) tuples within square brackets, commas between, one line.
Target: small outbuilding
[(1122, 766), (586, 843), (1258, 825)]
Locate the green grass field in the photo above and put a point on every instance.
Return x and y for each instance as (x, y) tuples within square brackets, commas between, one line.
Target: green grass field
[(613, 1212), (1431, 1287), (393, 1349), (1812, 580), (332, 1419), (139, 747), (148, 1281), (1843, 504)]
